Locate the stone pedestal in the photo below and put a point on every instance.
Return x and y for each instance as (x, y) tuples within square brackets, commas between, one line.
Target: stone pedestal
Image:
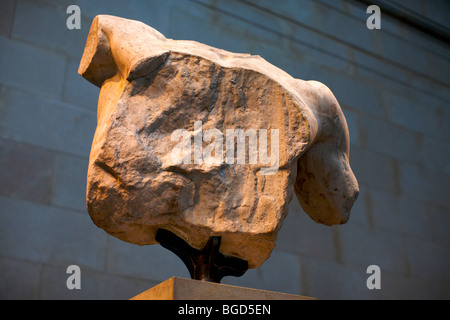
[(186, 289)]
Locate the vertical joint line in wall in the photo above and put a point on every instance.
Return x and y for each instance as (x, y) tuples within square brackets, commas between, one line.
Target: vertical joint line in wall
[(396, 177), (66, 74), (337, 244), (368, 201), (12, 20), (40, 281), (107, 250), (48, 200), (304, 284)]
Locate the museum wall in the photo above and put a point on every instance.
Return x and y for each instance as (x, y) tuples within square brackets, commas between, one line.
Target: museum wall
[(393, 86)]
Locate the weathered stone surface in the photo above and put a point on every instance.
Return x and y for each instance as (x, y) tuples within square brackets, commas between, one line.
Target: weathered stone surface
[(155, 91)]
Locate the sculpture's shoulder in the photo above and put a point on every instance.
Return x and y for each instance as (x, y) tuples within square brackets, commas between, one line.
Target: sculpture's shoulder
[(318, 96)]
